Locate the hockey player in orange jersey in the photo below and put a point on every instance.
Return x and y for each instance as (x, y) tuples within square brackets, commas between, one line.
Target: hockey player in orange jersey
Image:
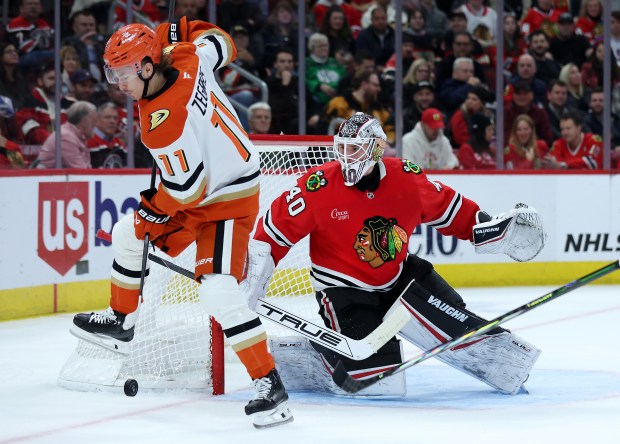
[(208, 193)]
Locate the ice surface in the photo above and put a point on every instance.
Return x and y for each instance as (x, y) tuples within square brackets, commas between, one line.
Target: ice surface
[(574, 391)]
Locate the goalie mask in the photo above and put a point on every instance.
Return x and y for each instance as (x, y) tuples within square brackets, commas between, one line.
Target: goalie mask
[(358, 146)]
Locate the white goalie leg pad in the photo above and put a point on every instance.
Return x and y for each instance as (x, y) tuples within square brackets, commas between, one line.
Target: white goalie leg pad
[(502, 361), (301, 367), (260, 268), (518, 233)]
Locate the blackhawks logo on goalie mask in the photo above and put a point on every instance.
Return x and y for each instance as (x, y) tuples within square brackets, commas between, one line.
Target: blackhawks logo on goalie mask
[(379, 241)]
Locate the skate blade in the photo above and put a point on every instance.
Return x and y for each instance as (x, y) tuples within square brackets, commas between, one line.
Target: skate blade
[(272, 418), (102, 341)]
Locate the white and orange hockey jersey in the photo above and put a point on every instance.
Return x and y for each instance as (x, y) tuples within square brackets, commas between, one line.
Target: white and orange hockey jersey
[(205, 157), (359, 238)]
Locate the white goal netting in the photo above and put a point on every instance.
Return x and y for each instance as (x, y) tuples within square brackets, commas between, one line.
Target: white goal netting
[(283, 162), (176, 344)]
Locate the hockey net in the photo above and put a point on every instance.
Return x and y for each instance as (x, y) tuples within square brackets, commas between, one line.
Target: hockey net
[(176, 344)]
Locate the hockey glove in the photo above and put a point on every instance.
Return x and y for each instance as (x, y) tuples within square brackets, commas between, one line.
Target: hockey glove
[(148, 218), (517, 233)]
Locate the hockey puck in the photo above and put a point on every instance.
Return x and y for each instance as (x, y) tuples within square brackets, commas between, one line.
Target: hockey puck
[(131, 387)]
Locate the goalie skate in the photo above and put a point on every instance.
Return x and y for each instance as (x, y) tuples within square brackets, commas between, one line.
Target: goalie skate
[(269, 408), (105, 328)]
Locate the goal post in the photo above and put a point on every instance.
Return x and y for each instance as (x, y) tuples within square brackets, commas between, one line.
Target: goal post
[(177, 345)]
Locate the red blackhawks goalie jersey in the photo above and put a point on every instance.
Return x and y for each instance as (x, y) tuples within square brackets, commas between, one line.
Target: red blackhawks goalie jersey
[(359, 238)]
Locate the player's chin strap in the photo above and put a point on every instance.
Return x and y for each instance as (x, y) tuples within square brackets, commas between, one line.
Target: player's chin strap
[(145, 80), (518, 233), (146, 84)]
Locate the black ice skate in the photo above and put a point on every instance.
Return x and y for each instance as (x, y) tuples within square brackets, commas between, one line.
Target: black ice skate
[(104, 328), (268, 407)]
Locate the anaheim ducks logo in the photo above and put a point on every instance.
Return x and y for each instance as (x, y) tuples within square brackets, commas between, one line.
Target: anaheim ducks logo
[(316, 181), (379, 241), (158, 117)]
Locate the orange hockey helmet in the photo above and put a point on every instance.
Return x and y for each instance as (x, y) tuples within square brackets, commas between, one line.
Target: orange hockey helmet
[(126, 49)]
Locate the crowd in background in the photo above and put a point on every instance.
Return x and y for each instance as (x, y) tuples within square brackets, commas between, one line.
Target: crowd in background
[(553, 77)]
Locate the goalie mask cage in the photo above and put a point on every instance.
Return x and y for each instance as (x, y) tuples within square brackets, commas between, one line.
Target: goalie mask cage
[(177, 345)]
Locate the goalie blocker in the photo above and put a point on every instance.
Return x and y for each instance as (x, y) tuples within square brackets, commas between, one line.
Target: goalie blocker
[(500, 358)]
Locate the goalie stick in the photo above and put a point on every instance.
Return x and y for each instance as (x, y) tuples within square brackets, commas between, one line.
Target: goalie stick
[(356, 349), (348, 384)]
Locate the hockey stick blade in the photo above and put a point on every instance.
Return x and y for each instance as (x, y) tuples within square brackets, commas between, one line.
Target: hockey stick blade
[(342, 378), (356, 349)]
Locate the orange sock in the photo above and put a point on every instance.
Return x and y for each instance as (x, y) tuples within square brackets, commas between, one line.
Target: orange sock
[(123, 299), (257, 359)]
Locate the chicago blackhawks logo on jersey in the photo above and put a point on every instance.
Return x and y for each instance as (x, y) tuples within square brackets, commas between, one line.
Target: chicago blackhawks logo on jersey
[(158, 117), (379, 241), (410, 167), (316, 181)]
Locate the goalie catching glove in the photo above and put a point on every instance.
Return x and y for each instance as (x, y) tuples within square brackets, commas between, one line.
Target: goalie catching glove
[(148, 218), (517, 233)]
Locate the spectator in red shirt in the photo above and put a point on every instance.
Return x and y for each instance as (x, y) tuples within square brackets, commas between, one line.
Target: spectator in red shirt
[(474, 103), (524, 150), (478, 154), (576, 150), (36, 118), (542, 17), (352, 14), (615, 158), (31, 35), (144, 7), (590, 20), (106, 150)]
